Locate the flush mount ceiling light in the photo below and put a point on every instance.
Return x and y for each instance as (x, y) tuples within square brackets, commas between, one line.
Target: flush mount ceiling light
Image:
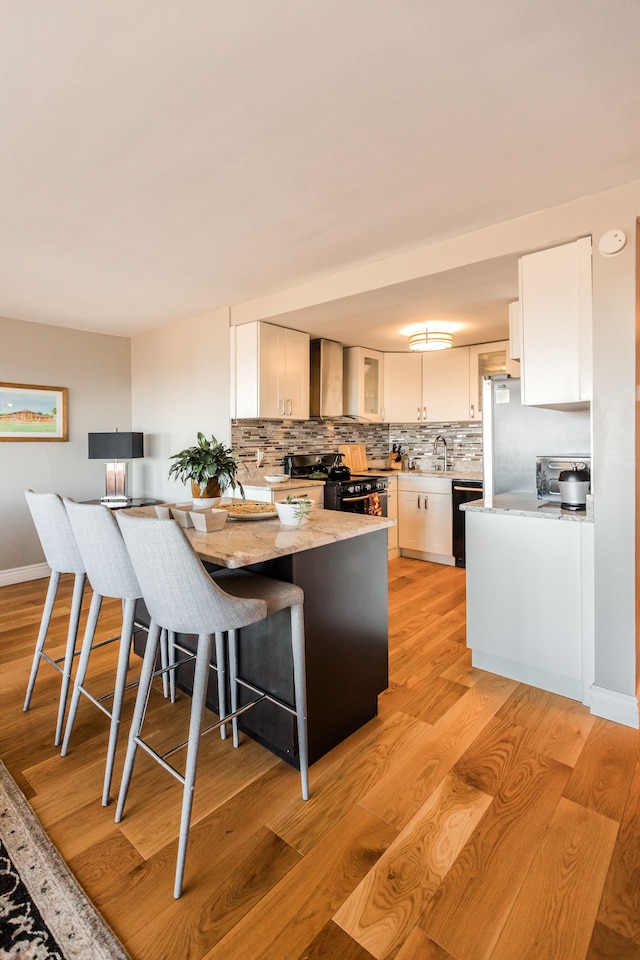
[(430, 340)]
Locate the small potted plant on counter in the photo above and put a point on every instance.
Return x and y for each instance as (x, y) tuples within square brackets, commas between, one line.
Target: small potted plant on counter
[(294, 511), (210, 467)]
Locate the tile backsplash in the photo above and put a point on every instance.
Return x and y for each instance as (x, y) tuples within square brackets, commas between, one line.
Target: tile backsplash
[(275, 438)]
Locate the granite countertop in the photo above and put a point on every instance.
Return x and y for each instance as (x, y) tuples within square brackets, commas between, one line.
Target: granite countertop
[(524, 505), (242, 542), (456, 473), (282, 484)]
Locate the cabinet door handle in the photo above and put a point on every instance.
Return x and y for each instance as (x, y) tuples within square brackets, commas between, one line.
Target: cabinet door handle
[(282, 408), (418, 501), (425, 503), (424, 413), (473, 410), (290, 403), (419, 417)]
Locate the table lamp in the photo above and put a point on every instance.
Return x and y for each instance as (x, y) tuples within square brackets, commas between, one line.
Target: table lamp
[(116, 449)]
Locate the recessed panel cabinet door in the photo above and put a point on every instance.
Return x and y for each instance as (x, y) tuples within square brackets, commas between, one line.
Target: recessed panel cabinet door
[(445, 385), (402, 388), (556, 317)]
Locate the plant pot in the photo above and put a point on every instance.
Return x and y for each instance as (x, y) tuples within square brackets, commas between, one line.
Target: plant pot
[(206, 494), (296, 512)]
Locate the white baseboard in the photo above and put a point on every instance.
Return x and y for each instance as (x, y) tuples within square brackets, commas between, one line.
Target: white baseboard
[(553, 682), (19, 574), (619, 707)]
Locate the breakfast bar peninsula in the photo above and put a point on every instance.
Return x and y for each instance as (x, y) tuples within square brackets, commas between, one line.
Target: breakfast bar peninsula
[(340, 562)]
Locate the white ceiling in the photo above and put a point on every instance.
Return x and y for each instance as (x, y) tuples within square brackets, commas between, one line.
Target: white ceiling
[(162, 158)]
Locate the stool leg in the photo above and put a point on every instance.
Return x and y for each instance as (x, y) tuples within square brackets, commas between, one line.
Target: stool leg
[(221, 671), (74, 619), (126, 638), (85, 653), (144, 688), (164, 662), (52, 589), (172, 661), (300, 687), (201, 676), (233, 681)]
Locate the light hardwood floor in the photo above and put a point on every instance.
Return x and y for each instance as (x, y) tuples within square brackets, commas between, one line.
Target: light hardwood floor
[(474, 819)]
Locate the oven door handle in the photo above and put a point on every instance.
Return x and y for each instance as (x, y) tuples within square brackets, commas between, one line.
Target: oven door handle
[(367, 496)]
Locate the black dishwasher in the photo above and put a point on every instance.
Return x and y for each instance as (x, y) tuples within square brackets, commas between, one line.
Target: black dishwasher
[(462, 491)]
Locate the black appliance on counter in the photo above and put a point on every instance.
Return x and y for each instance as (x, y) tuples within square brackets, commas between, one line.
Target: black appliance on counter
[(358, 493), (462, 491)]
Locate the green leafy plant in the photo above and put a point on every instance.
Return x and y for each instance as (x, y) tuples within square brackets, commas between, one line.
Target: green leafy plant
[(303, 506), (208, 460)]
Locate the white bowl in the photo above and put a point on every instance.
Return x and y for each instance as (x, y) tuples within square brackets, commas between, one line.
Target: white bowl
[(208, 520), (276, 477), (290, 514)]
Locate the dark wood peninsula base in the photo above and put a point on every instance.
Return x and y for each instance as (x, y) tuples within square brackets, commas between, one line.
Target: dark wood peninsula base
[(346, 630)]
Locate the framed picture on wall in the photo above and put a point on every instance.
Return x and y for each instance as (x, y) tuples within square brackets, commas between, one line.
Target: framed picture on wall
[(29, 412)]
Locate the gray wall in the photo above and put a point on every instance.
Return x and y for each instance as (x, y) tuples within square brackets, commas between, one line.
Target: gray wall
[(96, 369)]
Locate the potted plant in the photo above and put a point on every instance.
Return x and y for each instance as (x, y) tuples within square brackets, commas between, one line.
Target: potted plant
[(210, 467), (294, 511)]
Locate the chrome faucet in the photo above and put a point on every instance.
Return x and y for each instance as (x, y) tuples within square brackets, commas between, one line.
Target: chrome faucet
[(445, 465)]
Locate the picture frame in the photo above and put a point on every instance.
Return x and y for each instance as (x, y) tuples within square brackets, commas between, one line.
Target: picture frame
[(30, 412)]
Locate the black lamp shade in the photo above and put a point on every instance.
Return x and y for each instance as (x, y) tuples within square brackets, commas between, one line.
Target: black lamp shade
[(116, 446)]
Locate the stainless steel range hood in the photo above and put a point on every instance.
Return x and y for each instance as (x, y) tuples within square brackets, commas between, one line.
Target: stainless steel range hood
[(325, 392)]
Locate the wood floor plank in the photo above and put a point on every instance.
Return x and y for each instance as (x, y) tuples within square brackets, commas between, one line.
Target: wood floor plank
[(418, 946), (248, 886), (398, 796), (386, 905), (333, 942), (489, 760), (606, 944), (620, 906), (569, 869), (297, 909), (218, 898), (469, 909), (342, 778), (602, 775), (558, 727)]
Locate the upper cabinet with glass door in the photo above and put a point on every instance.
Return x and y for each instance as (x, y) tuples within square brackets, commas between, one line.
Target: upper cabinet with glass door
[(362, 388), (487, 360)]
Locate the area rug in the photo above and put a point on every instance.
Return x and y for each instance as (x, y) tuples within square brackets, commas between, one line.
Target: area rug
[(44, 913)]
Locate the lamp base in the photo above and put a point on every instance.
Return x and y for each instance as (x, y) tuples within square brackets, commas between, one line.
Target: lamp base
[(116, 501)]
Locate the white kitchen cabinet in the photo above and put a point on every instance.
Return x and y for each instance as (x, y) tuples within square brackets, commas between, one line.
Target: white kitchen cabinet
[(402, 387), (556, 325), (271, 494), (445, 385), (363, 383), (271, 372), (425, 519), (487, 360), (530, 600), (392, 511), (426, 387)]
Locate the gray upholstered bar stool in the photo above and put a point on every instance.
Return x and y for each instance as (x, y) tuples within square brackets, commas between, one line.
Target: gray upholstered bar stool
[(110, 574), (182, 597), (62, 554)]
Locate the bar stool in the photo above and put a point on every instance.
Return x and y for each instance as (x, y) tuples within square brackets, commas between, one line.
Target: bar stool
[(181, 596), (62, 555), (110, 574)]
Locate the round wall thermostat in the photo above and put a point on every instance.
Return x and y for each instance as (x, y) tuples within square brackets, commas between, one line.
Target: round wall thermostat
[(612, 242)]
